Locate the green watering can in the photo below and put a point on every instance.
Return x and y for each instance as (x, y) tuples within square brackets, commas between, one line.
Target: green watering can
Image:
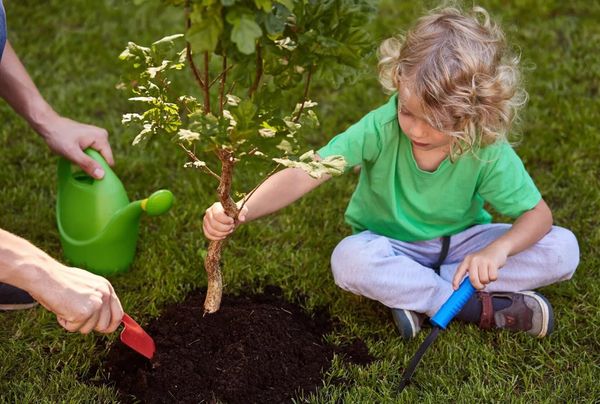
[(98, 225)]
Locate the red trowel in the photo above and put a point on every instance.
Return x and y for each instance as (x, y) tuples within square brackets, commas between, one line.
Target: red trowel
[(136, 338)]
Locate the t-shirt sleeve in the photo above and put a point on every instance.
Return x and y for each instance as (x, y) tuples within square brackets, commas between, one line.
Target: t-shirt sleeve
[(359, 143), (506, 185), (2, 29)]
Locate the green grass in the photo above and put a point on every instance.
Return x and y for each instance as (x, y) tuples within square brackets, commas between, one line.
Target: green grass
[(70, 48)]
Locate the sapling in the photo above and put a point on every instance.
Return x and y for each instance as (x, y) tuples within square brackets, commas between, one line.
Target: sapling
[(253, 62)]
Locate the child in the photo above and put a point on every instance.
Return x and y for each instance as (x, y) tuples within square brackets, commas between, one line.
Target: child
[(431, 156)]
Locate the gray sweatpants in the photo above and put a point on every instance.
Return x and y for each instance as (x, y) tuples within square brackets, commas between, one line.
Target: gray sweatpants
[(399, 275)]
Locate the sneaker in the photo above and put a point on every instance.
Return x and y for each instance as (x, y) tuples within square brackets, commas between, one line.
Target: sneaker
[(13, 298), (528, 311), (408, 322)]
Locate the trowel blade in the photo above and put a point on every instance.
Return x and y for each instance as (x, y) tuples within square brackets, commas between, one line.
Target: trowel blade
[(136, 338)]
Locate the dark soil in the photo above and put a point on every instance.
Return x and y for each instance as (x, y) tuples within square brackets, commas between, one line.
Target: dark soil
[(255, 349)]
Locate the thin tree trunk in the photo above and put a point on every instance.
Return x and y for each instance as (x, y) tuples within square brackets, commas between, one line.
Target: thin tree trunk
[(212, 262), (212, 265)]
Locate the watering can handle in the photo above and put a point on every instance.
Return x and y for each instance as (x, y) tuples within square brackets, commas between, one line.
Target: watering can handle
[(66, 168)]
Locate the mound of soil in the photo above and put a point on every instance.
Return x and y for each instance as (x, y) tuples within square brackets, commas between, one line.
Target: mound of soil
[(255, 349)]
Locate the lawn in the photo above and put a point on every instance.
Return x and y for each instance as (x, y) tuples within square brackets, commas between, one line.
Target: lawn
[(71, 49)]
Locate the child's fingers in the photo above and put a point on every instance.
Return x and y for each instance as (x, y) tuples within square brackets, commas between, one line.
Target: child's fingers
[(213, 234), (474, 275), (484, 274), (216, 212), (459, 274), (242, 214), (219, 226), (217, 219)]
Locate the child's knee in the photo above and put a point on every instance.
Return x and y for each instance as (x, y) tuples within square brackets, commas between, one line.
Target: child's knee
[(565, 251), (343, 259), (353, 258)]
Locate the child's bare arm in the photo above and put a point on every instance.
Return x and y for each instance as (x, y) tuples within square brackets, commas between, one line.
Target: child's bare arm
[(277, 192), (483, 265)]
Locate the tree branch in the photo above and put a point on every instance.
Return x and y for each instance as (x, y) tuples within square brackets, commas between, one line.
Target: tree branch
[(220, 76), (188, 47), (223, 81), (305, 96), (224, 190), (259, 71), (230, 91), (206, 80), (194, 158)]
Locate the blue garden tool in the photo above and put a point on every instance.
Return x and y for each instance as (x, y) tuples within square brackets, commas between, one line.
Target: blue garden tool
[(439, 321)]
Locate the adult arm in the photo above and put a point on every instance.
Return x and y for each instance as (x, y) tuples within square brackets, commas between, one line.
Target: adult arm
[(64, 136), (81, 300)]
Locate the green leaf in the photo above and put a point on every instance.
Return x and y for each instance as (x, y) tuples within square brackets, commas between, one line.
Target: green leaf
[(244, 113), (204, 33), (168, 39), (332, 165), (244, 34), (285, 146), (289, 4), (266, 5), (275, 23), (135, 52), (228, 3)]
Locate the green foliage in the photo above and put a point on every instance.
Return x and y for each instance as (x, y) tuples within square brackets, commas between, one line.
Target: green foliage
[(333, 165), (290, 42), (161, 115)]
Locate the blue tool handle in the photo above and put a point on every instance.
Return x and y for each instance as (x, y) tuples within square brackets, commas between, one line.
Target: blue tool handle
[(453, 305)]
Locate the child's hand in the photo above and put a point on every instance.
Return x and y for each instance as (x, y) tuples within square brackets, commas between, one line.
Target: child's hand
[(482, 267), (217, 225)]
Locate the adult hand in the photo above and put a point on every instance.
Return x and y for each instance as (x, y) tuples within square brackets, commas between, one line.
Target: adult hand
[(482, 267), (217, 225), (64, 136), (70, 138), (82, 301)]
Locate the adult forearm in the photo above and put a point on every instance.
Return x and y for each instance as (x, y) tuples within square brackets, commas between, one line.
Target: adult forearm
[(528, 229), (280, 190), (17, 88), (21, 263)]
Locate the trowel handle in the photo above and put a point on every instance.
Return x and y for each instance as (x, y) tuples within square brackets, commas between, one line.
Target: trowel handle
[(453, 305)]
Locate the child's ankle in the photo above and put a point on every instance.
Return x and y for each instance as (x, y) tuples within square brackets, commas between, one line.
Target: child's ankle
[(472, 310)]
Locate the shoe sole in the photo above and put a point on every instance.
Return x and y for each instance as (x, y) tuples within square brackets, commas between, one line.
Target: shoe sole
[(22, 306), (547, 319), (413, 326)]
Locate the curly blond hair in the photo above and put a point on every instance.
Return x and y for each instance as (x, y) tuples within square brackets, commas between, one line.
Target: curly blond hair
[(460, 68)]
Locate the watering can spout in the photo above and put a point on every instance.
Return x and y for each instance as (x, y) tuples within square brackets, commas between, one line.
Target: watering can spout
[(158, 203), (98, 225), (129, 216)]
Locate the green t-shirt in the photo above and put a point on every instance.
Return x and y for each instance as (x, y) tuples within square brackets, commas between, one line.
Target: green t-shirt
[(395, 198)]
